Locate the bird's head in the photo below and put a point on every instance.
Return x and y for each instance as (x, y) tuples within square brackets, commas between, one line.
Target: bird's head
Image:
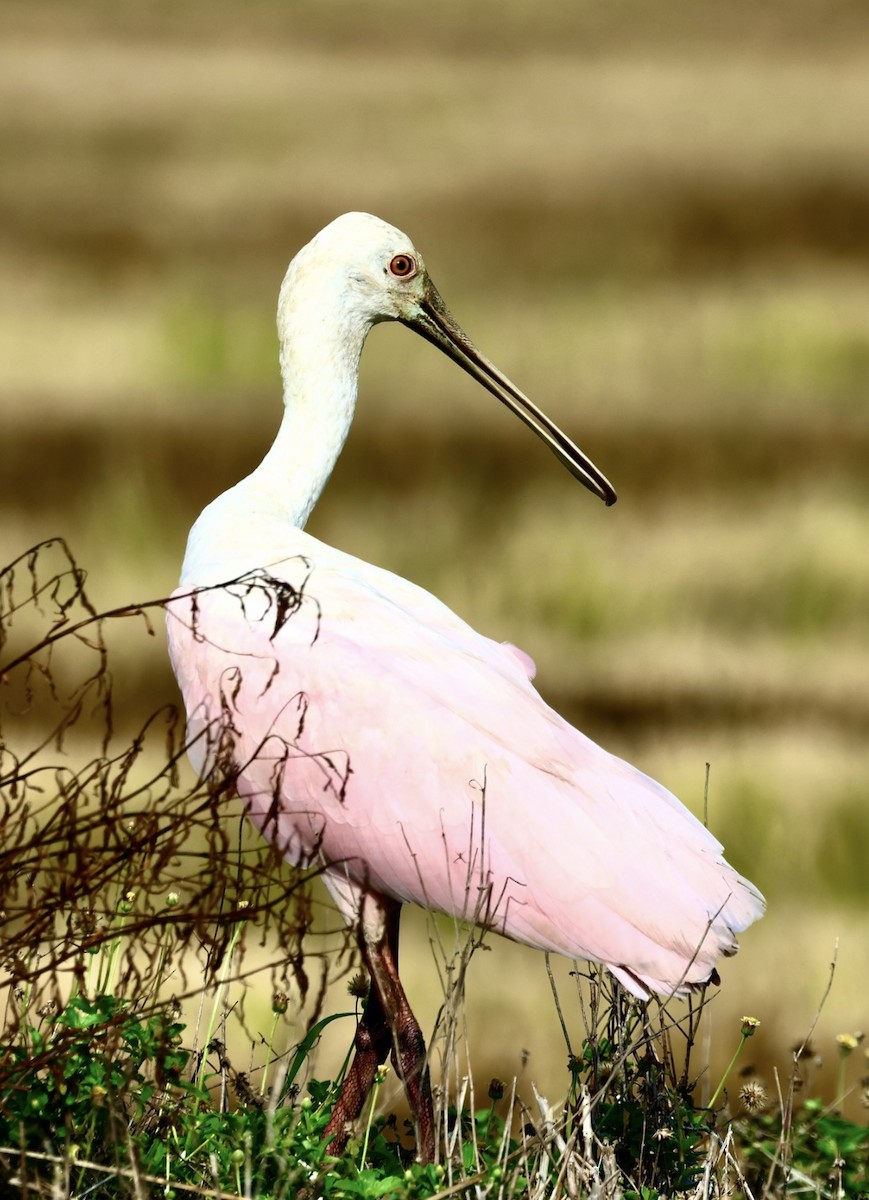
[(369, 270), (363, 271)]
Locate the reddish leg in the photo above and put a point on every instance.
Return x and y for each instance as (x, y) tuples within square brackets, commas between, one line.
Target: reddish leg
[(387, 1024), (372, 1044)]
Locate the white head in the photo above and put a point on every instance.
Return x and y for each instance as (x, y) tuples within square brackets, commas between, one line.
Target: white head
[(358, 271), (369, 270)]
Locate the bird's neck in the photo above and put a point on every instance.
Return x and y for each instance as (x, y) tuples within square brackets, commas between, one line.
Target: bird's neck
[(320, 373), (322, 332), (319, 365)]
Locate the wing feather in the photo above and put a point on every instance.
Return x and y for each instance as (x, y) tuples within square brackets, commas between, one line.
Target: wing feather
[(380, 732)]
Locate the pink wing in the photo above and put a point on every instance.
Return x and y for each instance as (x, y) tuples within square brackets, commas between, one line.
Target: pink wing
[(380, 734)]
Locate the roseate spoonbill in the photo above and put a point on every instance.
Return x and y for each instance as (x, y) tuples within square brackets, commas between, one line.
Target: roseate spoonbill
[(375, 733)]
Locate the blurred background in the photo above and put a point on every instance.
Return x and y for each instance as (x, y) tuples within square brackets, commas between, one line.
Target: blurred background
[(655, 219)]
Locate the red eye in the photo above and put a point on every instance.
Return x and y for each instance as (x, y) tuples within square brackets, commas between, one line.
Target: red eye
[(403, 266)]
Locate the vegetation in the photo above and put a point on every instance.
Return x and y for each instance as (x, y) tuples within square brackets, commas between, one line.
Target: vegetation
[(654, 217), (128, 903)]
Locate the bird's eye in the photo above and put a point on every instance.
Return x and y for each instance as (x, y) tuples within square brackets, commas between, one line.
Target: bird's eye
[(403, 265)]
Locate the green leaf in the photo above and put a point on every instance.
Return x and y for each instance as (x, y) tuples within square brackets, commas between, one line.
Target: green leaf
[(307, 1044)]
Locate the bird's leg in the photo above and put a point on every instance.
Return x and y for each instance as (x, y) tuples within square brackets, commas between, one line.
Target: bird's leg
[(388, 1022), (372, 1043), (408, 1043)]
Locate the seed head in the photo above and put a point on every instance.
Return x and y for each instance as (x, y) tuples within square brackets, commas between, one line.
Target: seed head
[(753, 1096), (357, 985)]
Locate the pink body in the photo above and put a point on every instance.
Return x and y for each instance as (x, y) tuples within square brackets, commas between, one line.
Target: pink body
[(380, 736), (458, 789)]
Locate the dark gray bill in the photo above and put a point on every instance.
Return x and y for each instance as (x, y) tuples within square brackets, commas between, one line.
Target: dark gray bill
[(437, 326)]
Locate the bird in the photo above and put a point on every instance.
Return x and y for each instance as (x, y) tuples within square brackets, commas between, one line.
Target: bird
[(374, 734)]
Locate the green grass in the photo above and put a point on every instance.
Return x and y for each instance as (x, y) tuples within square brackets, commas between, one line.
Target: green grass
[(100, 1086)]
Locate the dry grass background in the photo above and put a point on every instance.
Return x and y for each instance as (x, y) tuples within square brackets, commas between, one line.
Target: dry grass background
[(656, 222)]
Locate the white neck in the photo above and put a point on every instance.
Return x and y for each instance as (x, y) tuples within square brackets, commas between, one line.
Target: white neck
[(321, 343), (320, 370)]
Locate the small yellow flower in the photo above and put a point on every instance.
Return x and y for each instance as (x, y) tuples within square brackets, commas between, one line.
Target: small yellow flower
[(749, 1024), (846, 1042)]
